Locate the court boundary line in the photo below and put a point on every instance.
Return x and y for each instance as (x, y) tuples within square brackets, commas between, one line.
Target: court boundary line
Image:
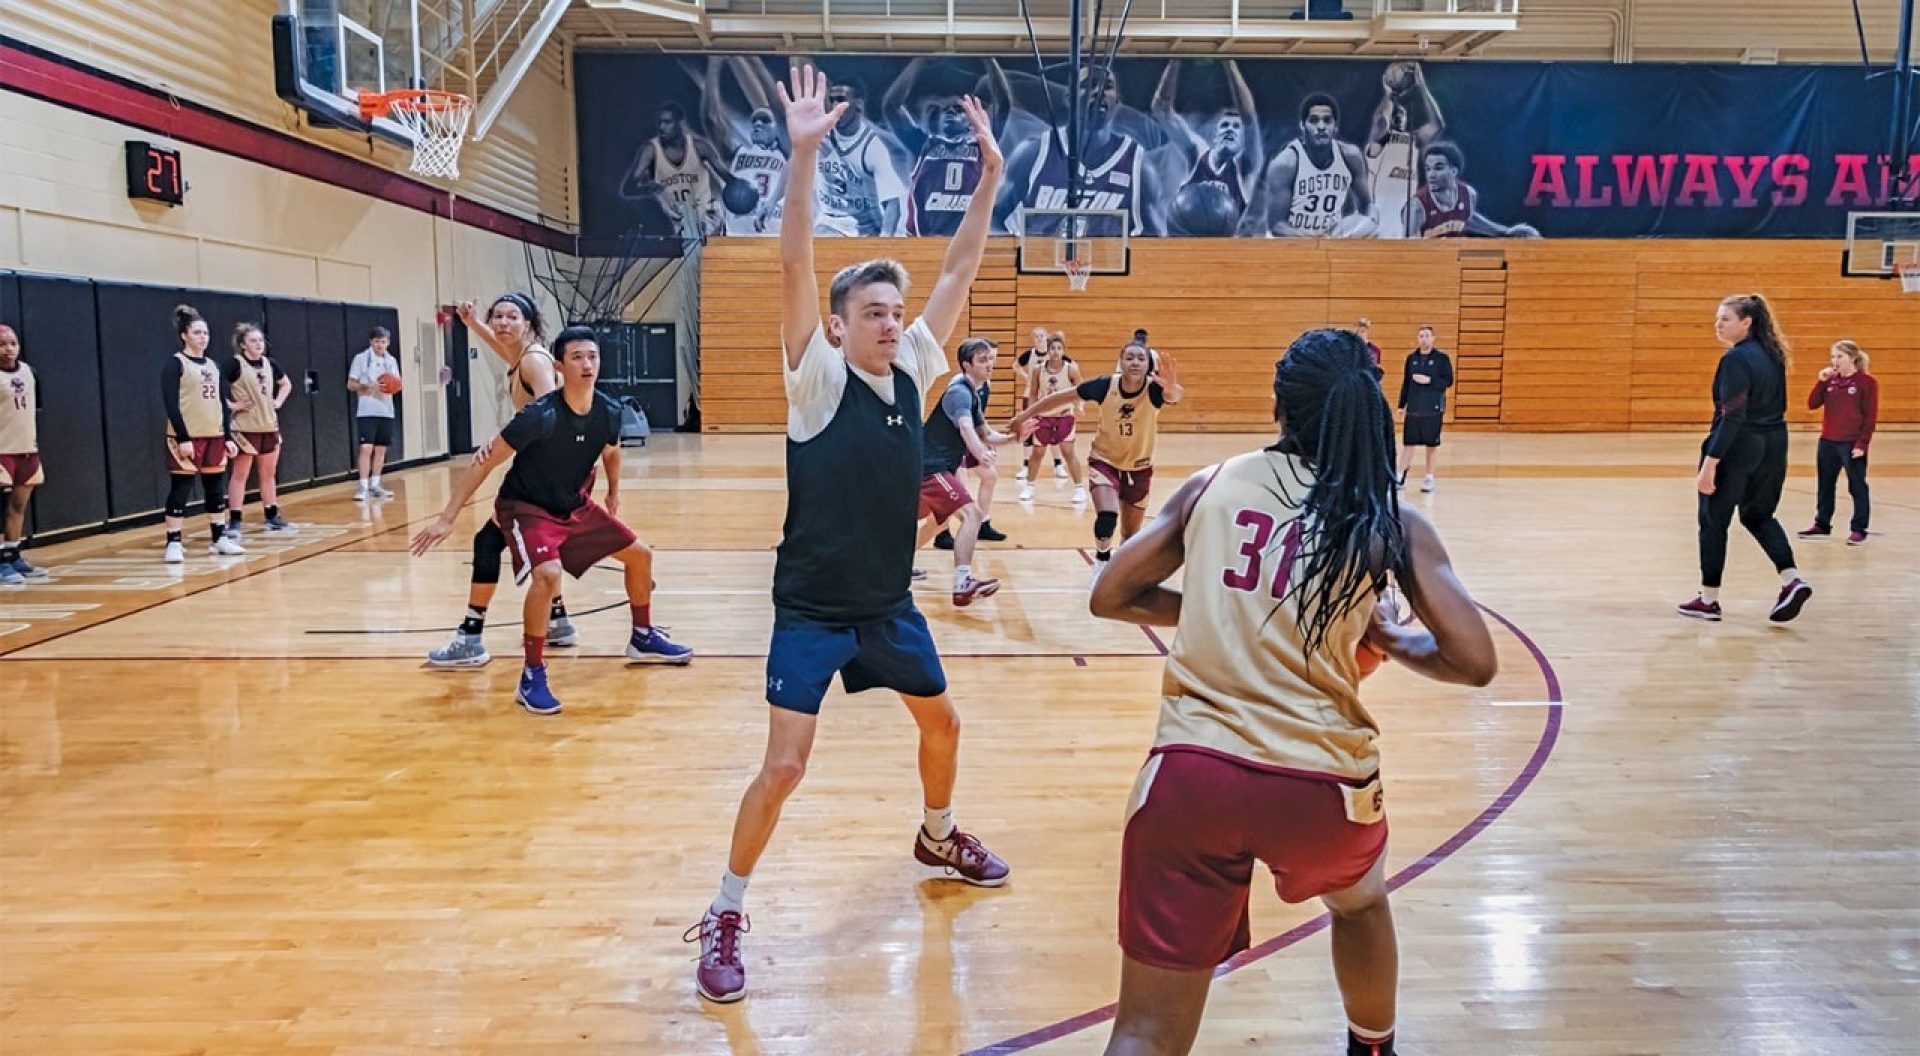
[(1542, 751)]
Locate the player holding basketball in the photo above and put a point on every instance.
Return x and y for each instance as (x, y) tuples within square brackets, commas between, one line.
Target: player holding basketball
[(957, 434), (759, 166), (1314, 185), (1051, 376), (20, 470), (1743, 461), (1121, 458), (554, 445), (199, 436), (1263, 748), (513, 330), (256, 390), (373, 415), (1395, 141), (841, 583), (678, 169), (1226, 161), (1423, 403), (1448, 207)]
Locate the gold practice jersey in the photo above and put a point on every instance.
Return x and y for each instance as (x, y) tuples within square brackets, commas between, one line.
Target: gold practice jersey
[(19, 396)]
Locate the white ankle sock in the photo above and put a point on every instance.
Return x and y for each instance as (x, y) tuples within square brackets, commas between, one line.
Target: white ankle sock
[(1788, 575), (939, 822), (1710, 593), (374, 480), (960, 574), (733, 893), (1371, 1037)]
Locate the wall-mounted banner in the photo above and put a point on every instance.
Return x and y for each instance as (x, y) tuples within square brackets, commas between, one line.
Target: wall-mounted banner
[(1255, 147)]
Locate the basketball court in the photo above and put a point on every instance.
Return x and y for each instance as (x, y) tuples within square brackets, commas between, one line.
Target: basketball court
[(240, 815)]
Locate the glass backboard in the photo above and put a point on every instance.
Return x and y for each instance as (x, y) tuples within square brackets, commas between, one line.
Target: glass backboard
[(341, 48)]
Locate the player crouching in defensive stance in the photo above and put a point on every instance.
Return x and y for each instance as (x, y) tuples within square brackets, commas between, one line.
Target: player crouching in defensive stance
[(550, 522)]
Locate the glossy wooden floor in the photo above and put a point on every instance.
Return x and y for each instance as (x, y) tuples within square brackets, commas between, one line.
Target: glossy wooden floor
[(237, 816)]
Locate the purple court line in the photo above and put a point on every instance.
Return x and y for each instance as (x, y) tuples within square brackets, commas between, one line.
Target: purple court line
[(1158, 645), (1549, 736)]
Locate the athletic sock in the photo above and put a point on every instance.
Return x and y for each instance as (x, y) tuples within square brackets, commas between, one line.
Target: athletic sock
[(233, 518), (174, 536), (535, 648), (9, 551), (217, 529), (1788, 575), (558, 610), (373, 481), (272, 512), (476, 621), (642, 616), (1711, 594), (1362, 1042), (1103, 555), (939, 823), (733, 893), (961, 573)]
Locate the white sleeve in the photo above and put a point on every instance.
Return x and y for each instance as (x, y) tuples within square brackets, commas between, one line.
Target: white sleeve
[(886, 181), (358, 372), (921, 356), (814, 387)]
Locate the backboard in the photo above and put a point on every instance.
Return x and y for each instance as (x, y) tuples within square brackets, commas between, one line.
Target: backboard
[(326, 52), (1878, 242)]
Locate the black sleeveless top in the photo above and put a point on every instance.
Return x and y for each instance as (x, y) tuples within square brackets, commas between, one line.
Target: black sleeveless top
[(853, 503)]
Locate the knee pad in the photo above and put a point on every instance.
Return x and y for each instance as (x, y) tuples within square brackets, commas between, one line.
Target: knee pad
[(1104, 524), (216, 495), (179, 490), (489, 543)]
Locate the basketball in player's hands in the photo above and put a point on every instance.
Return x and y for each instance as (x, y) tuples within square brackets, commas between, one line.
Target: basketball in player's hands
[(741, 197), (1204, 210), (389, 383), (1399, 77), (1367, 659)]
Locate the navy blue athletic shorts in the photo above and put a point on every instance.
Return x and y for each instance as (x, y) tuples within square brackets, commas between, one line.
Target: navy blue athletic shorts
[(896, 654)]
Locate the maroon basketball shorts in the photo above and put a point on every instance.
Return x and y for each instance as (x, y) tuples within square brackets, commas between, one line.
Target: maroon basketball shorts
[(942, 495), (21, 471), (1053, 430), (577, 540), (1132, 485), (1197, 822), (209, 455), (257, 443)]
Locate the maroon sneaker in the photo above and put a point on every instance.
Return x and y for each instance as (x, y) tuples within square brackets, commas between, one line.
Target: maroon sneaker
[(1815, 531), (962, 856), (1700, 609), (965, 593), (1857, 539), (720, 978), (1792, 597)]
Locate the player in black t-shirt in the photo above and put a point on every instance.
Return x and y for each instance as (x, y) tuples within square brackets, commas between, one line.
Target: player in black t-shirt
[(551, 523)]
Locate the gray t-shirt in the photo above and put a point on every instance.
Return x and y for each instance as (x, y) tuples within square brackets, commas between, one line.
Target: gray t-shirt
[(367, 369), (941, 446)]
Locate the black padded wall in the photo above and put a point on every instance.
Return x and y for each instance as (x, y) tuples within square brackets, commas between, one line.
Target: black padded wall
[(327, 337), (62, 342), (136, 337), (287, 343)]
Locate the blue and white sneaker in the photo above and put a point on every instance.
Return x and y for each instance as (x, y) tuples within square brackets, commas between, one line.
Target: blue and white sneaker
[(652, 646), (533, 693), (560, 632), (9, 577), (29, 571)]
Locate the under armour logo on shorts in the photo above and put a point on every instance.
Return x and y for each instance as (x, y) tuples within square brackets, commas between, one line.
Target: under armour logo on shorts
[(895, 419), (774, 684)]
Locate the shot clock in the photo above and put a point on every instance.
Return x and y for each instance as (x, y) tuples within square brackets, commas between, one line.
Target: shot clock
[(153, 173)]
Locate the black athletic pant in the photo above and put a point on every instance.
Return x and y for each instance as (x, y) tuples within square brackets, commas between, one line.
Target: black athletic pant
[(1835, 455), (1749, 480)]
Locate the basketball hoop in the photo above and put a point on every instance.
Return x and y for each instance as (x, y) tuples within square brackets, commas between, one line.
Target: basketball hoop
[(437, 121), (1909, 277), (1079, 271)]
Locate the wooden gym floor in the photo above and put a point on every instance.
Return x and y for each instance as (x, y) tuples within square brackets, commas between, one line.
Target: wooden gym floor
[(239, 817)]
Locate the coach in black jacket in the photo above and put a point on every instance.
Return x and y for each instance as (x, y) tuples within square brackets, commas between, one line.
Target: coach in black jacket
[(1423, 403)]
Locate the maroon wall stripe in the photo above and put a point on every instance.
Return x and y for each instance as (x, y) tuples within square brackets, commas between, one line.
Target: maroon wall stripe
[(58, 80)]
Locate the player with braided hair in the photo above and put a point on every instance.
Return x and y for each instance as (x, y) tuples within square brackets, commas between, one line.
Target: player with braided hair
[(1263, 749)]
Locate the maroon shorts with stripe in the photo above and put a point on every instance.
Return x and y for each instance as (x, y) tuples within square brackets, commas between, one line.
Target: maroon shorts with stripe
[(21, 471), (1053, 430), (209, 456), (1132, 485), (1201, 819), (942, 495), (257, 443), (577, 540)]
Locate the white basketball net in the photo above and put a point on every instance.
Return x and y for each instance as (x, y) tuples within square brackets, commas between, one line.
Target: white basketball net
[(1077, 272), (439, 127)]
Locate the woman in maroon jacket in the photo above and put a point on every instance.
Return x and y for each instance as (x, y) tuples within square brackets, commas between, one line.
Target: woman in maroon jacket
[(1850, 403)]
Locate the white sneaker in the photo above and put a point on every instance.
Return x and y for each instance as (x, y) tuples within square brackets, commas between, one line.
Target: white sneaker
[(380, 492), (362, 493), (1093, 574), (1060, 470), (1026, 493), (1080, 495), (1022, 475), (1426, 483), (176, 554), (226, 546)]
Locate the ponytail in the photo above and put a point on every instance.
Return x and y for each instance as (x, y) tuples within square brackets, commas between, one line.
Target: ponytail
[(184, 316), (1754, 308), (1855, 353), (1335, 418)]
